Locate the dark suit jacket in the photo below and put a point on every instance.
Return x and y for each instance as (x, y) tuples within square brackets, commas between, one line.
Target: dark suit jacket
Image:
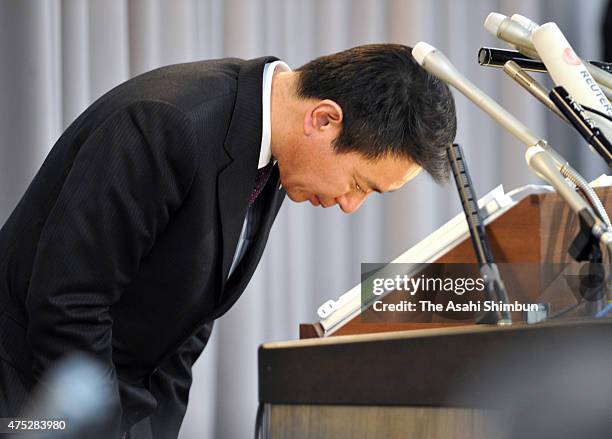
[(122, 244)]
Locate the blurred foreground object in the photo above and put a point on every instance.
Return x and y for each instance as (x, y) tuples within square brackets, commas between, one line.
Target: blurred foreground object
[(74, 391)]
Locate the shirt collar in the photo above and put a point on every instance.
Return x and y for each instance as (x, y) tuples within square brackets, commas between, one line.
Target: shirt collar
[(265, 152)]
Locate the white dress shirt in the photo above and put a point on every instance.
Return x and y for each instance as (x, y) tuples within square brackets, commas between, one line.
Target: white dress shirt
[(265, 151)]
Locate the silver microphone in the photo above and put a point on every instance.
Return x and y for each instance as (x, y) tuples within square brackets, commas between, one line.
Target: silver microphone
[(512, 32), (537, 90), (436, 63)]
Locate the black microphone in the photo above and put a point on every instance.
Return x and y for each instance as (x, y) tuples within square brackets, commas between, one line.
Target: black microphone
[(582, 122), (495, 57), (606, 66)]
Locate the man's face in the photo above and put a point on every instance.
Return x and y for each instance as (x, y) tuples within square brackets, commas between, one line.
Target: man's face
[(326, 178), (311, 170)]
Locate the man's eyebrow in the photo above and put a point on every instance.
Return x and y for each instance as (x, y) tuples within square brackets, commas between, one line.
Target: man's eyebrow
[(372, 186), (375, 187)]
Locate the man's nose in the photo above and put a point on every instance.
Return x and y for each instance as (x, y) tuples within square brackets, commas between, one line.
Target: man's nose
[(350, 202)]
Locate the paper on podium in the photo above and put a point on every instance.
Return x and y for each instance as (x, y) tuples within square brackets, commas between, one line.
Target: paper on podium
[(334, 314)]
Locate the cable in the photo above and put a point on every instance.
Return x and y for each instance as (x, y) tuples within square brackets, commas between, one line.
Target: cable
[(587, 191), (597, 112), (259, 433), (583, 185)]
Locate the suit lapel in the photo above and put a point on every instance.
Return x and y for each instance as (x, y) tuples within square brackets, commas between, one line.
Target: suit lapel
[(242, 144), (270, 200)]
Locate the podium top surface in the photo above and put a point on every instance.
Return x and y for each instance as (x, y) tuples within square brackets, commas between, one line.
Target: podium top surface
[(470, 366), (516, 329)]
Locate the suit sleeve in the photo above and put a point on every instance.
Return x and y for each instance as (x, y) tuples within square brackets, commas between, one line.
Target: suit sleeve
[(127, 179), (171, 382)]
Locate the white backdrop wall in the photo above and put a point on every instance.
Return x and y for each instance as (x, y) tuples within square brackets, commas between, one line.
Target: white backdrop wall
[(57, 56)]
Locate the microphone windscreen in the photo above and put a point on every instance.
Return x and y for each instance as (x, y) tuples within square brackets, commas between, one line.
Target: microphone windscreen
[(421, 50), (493, 22)]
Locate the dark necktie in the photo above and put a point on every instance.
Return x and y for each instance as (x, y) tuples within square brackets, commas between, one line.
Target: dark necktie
[(261, 178)]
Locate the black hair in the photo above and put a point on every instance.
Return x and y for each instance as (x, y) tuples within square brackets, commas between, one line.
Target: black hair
[(391, 105)]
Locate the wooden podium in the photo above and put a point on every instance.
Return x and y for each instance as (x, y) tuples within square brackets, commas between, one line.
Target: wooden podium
[(539, 229), (475, 383), (439, 379)]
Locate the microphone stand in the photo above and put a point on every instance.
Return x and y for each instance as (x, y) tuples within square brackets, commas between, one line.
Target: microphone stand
[(592, 233), (583, 247), (488, 269)]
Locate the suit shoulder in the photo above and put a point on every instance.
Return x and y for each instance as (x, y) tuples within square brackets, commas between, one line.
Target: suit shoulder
[(197, 89), (187, 85)]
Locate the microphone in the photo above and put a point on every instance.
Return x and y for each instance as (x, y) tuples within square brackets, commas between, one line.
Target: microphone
[(496, 57), (583, 123), (511, 32), (518, 36), (539, 154), (436, 63), (567, 69), (527, 23), (605, 66), (537, 90)]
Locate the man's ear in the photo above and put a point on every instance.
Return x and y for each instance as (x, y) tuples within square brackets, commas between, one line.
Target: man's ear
[(325, 115)]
